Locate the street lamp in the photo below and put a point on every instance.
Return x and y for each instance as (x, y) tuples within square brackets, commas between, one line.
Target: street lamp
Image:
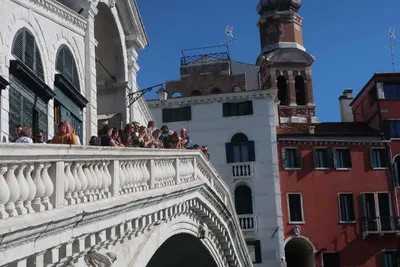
[(135, 96)]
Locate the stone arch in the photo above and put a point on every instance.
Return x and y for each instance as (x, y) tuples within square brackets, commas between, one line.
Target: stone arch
[(177, 225), (314, 248), (299, 252), (65, 38), (244, 205), (19, 19)]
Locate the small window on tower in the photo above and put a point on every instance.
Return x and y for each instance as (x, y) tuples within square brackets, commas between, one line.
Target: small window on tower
[(282, 90)]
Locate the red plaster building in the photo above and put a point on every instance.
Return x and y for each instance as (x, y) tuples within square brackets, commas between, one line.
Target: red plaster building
[(339, 205)]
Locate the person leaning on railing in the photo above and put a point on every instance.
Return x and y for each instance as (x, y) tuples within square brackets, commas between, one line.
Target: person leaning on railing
[(65, 135)]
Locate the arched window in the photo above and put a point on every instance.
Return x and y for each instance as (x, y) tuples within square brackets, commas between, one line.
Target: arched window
[(243, 200), (300, 91), (240, 149), (282, 90), (26, 50), (216, 91), (176, 94), (66, 66), (196, 93)]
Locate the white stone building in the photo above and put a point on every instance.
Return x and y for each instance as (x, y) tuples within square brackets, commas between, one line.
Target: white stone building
[(69, 59), (222, 107)]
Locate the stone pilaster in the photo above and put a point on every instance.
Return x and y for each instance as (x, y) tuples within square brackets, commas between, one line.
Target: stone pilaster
[(133, 111), (309, 88), (90, 73), (274, 84), (291, 89)]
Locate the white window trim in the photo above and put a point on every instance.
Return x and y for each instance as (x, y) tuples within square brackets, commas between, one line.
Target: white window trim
[(327, 252), (334, 149), (327, 150), (376, 200), (302, 208), (292, 169), (354, 207), (379, 168)]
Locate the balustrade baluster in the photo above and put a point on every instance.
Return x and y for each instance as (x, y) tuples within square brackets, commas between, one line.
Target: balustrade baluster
[(71, 184), (135, 175), (128, 182), (14, 190), (24, 190), (66, 180), (84, 183), (95, 189), (138, 176), (122, 179), (48, 186), (104, 179), (146, 175), (99, 177), (89, 187), (32, 187), (78, 184), (109, 178), (40, 188), (4, 192)]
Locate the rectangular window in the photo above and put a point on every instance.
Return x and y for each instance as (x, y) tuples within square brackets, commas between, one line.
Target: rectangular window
[(330, 259), (291, 158), (342, 158), (390, 258), (321, 158), (295, 208), (177, 114), (346, 208), (378, 158), (392, 128), (392, 91), (237, 109), (377, 213), (254, 248)]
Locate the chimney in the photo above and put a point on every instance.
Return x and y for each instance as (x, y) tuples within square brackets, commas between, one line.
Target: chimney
[(346, 114)]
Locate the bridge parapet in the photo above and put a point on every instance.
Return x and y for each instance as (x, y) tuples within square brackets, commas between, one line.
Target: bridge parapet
[(59, 204)]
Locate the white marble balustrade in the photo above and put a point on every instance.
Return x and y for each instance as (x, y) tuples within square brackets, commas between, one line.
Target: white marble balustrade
[(37, 178)]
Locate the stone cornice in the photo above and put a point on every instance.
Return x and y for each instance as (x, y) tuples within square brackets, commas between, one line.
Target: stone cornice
[(60, 11), (216, 98)]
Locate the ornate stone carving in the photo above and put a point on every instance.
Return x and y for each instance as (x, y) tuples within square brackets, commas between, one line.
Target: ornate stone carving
[(97, 259), (111, 3), (297, 230)]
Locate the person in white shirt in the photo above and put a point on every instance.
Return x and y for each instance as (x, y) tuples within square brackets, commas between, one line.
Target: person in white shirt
[(25, 136)]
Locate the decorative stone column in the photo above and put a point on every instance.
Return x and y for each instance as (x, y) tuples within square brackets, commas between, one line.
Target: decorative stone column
[(291, 89), (90, 73), (133, 112), (309, 88)]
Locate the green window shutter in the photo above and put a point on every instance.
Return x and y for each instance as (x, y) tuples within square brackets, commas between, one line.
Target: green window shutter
[(396, 174), (329, 158), (229, 152), (60, 61), (371, 158), (251, 151), (298, 158), (226, 109), (334, 156), (283, 152), (386, 129), (348, 158), (29, 50), (38, 64), (66, 66), (249, 107), (18, 48)]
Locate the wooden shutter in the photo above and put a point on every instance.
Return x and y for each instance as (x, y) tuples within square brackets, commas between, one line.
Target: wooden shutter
[(166, 115), (229, 152), (371, 158), (329, 157), (315, 157), (249, 107), (283, 152), (298, 158), (38, 64), (348, 158), (334, 158), (29, 50), (257, 248), (396, 173), (187, 111), (60, 61), (386, 129), (226, 109), (18, 49), (251, 151)]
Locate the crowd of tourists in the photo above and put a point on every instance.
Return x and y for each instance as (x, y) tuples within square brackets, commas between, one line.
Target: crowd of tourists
[(133, 135)]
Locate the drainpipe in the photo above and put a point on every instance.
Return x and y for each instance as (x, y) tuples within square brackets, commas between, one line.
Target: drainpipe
[(393, 178)]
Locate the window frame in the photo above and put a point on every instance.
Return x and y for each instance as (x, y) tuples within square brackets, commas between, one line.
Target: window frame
[(389, 122), (334, 159), (257, 249), (301, 205), (376, 204), (339, 206), (284, 160), (328, 252), (392, 84), (183, 110), (388, 251), (228, 106), (371, 149), (328, 158)]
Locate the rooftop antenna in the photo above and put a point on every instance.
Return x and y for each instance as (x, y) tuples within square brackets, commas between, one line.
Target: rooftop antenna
[(229, 34), (392, 36)]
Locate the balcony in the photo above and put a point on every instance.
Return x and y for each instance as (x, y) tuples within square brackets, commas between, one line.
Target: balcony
[(242, 170), (248, 223), (380, 226)]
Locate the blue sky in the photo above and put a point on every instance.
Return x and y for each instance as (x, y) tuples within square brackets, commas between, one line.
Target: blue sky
[(348, 39)]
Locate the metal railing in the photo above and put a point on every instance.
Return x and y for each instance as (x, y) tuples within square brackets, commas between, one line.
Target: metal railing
[(382, 224), (205, 58)]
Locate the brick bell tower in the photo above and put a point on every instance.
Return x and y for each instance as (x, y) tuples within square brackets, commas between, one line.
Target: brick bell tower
[(284, 63)]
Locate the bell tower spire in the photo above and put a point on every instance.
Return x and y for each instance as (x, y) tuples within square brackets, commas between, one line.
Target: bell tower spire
[(284, 63)]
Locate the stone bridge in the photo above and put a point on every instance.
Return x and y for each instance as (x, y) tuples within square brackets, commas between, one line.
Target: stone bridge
[(89, 206)]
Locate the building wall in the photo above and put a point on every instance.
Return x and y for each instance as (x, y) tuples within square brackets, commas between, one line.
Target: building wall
[(251, 71), (209, 127), (320, 189)]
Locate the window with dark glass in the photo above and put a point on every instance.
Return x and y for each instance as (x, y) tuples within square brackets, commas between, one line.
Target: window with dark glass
[(392, 128), (378, 158), (321, 158), (392, 91), (254, 248), (346, 208), (237, 109), (240, 149), (295, 208), (177, 114), (330, 259), (66, 66), (282, 90), (376, 212), (342, 158), (390, 258), (291, 158)]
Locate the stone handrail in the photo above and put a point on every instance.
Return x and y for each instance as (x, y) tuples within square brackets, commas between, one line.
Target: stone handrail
[(35, 178)]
